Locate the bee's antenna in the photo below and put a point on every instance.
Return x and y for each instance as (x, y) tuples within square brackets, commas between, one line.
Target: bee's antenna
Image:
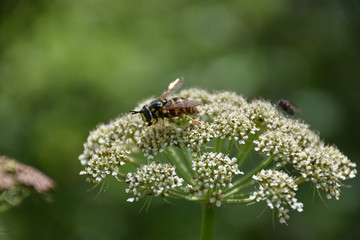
[(135, 112)]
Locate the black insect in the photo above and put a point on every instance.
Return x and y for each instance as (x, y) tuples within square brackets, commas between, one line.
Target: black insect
[(163, 108), (288, 106)]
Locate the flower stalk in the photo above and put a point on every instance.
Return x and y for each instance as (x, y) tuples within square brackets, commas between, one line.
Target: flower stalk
[(207, 222)]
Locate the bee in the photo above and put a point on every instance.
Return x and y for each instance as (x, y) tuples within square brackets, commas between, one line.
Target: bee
[(163, 108), (288, 107)]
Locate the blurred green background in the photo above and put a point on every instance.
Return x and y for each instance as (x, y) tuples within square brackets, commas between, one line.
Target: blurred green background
[(66, 66)]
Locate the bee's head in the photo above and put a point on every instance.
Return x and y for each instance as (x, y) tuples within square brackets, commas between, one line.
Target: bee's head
[(145, 114)]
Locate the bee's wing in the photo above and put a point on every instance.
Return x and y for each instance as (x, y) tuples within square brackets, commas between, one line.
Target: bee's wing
[(295, 107), (173, 86), (298, 110), (185, 103)]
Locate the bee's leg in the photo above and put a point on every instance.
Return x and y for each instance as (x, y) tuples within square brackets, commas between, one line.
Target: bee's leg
[(152, 122), (163, 121), (195, 121), (152, 126)]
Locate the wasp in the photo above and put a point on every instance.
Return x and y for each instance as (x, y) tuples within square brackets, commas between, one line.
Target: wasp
[(163, 108), (288, 106)]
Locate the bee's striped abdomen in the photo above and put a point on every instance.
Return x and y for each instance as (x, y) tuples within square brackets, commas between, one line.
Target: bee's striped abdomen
[(178, 106)]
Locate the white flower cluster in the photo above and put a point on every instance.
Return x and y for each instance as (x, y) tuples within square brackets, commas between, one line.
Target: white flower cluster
[(264, 113), (286, 142), (326, 167), (191, 136), (278, 189), (152, 179), (158, 138), (214, 171), (231, 127), (294, 143), (105, 161), (230, 117), (108, 147)]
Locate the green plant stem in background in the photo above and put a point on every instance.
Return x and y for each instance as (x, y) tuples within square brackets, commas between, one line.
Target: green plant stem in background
[(208, 222)]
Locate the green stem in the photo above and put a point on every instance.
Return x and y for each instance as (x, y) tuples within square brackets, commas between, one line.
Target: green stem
[(187, 159), (135, 162), (178, 195), (173, 158), (207, 222), (218, 144), (229, 145), (237, 200), (245, 149), (121, 177), (248, 176), (242, 187), (300, 180)]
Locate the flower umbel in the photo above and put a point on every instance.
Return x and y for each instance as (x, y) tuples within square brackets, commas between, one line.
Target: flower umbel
[(214, 172), (18, 180), (208, 163), (154, 178), (278, 188)]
